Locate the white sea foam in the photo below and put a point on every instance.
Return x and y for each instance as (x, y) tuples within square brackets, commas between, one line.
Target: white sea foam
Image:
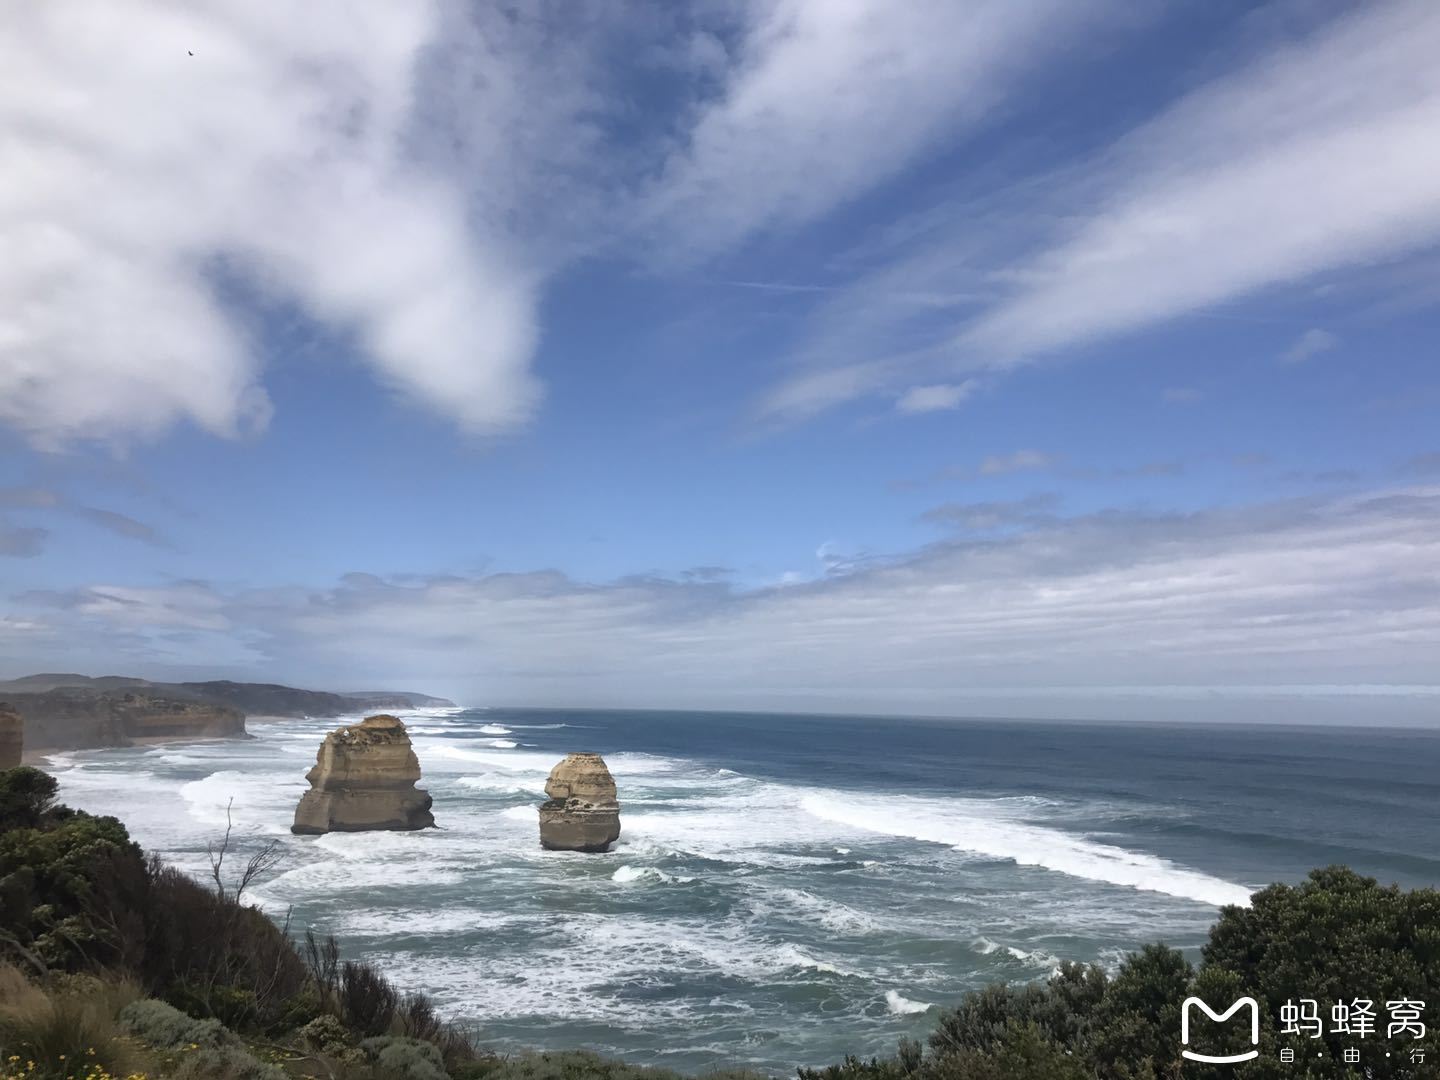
[(503, 783), (900, 1005), (246, 800), (964, 825), (831, 914), (495, 729), (794, 956), (1034, 957), (502, 744), (630, 874), (429, 922)]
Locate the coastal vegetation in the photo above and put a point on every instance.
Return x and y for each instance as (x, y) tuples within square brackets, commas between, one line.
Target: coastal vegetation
[(113, 964)]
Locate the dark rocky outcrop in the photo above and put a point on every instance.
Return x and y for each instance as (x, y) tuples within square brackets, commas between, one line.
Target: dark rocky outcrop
[(364, 778), (12, 736), (583, 813), (77, 719)]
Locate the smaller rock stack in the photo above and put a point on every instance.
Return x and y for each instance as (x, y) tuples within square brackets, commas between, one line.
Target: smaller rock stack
[(12, 736), (583, 813), (363, 779)]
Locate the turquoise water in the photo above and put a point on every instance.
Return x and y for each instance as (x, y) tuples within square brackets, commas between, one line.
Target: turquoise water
[(786, 889)]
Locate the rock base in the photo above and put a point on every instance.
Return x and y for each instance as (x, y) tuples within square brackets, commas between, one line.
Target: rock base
[(567, 825), (362, 811)]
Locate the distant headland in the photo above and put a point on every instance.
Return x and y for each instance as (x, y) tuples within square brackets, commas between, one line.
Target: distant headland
[(75, 712)]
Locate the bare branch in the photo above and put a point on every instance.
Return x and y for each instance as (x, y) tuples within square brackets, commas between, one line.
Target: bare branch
[(260, 864), (217, 856)]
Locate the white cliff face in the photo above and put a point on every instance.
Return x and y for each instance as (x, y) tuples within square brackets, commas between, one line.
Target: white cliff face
[(364, 778), (583, 813)]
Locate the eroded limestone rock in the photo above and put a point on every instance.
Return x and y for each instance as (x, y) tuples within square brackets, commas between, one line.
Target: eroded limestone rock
[(12, 736), (363, 779), (583, 813)]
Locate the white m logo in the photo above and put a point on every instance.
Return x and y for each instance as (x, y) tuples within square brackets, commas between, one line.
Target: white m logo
[(1220, 1018)]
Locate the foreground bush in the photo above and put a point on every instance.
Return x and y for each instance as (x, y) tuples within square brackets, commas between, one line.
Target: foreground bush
[(167, 1028), (1335, 937), (67, 1033), (576, 1065)]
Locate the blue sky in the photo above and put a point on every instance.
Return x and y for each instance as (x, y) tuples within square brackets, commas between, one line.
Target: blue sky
[(1045, 358)]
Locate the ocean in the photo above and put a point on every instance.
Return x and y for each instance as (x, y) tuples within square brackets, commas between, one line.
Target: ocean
[(786, 889)]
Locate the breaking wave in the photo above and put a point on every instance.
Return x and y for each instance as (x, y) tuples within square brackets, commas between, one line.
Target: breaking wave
[(970, 826), (900, 1005)]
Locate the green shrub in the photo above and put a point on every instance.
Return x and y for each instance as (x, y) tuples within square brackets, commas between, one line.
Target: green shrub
[(225, 1063), (239, 964), (418, 1019), (27, 797), (367, 1000), (294, 1012), (165, 1027), (231, 1005), (570, 1065), (399, 1057), (327, 1034), (73, 891), (1024, 1052)]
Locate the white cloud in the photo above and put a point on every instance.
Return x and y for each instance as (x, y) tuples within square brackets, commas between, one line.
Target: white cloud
[(1031, 510), (1317, 156), (828, 97), (1312, 342), (1305, 592), (1019, 461), (134, 172), (934, 398)]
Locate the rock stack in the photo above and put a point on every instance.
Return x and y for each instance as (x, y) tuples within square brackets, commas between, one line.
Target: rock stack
[(364, 778), (12, 736), (582, 814)]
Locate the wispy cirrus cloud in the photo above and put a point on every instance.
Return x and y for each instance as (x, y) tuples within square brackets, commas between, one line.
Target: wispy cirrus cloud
[(1019, 461), (21, 542), (825, 100), (935, 397), (1235, 188), (1031, 510), (121, 525), (1311, 343), (1238, 187)]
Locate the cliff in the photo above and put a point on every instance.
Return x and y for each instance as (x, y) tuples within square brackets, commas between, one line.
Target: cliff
[(364, 778), (396, 699), (255, 699), (12, 736), (583, 813), (76, 719)]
